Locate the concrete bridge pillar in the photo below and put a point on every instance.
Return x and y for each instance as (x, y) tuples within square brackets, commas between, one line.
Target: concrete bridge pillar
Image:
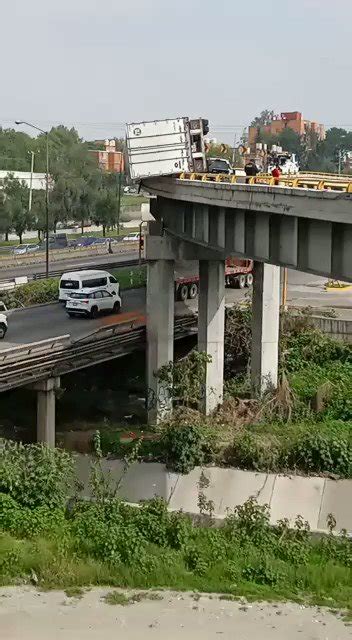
[(46, 410), (160, 335), (265, 327), (211, 323)]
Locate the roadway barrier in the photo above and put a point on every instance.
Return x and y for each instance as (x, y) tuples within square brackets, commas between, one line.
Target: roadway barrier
[(39, 361), (287, 495), (295, 182), (7, 284), (34, 348)]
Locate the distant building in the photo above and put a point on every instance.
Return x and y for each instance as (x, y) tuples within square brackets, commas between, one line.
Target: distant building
[(38, 179), (287, 120), (109, 159)]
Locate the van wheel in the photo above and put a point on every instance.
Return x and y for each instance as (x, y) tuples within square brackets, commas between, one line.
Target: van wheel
[(94, 312), (183, 292), (193, 291), (116, 308), (3, 330), (242, 281), (249, 279)]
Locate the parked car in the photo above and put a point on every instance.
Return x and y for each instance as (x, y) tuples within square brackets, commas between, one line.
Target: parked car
[(90, 303), (3, 321), (131, 237), (21, 249), (98, 241)]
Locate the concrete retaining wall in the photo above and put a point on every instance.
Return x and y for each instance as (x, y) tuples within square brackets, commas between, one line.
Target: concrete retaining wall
[(313, 498), (334, 327)]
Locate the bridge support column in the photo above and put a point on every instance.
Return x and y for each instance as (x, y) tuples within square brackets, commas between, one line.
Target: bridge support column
[(160, 335), (211, 324), (265, 327), (46, 410)]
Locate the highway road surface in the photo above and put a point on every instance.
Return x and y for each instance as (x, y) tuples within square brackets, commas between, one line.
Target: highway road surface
[(41, 322), (27, 614)]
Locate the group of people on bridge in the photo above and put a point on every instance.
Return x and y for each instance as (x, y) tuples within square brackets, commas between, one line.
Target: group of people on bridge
[(251, 170)]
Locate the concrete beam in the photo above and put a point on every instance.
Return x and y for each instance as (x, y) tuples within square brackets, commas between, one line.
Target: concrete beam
[(160, 335), (265, 327), (46, 410), (211, 321)]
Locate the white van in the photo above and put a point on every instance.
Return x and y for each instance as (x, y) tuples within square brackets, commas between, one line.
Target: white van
[(89, 279)]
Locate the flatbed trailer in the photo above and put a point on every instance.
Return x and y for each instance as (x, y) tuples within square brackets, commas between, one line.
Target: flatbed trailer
[(238, 274)]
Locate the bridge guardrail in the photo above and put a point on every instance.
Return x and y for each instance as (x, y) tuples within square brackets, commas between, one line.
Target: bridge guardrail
[(295, 182), (49, 344), (31, 365)]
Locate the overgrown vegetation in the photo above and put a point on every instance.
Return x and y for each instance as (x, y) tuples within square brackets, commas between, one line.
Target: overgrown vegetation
[(74, 543), (304, 427), (43, 291)]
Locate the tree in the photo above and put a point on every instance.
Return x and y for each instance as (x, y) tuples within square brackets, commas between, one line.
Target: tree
[(220, 151), (264, 118), (16, 194), (5, 216), (106, 209), (38, 212)]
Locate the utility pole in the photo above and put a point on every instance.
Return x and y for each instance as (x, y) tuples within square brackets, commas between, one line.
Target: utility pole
[(46, 133), (31, 181), (119, 203)]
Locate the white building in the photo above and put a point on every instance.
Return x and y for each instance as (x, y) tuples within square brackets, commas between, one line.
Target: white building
[(38, 180)]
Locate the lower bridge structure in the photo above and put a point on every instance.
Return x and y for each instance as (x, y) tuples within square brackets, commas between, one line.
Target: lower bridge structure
[(208, 218)]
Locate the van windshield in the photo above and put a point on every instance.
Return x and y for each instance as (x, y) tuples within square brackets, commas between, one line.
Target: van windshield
[(69, 284)]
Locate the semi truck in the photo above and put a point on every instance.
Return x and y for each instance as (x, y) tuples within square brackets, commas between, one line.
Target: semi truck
[(238, 274), (166, 147)]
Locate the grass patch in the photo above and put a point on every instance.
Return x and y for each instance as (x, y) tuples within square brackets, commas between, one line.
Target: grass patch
[(116, 597), (74, 592), (106, 542)]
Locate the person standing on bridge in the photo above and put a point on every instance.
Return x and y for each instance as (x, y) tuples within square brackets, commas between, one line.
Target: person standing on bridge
[(276, 173), (251, 170)]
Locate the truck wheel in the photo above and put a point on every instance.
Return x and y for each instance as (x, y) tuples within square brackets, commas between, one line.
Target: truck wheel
[(183, 292), (249, 279), (242, 281), (193, 291), (3, 330)]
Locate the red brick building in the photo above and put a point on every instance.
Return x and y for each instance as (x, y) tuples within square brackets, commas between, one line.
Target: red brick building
[(109, 159), (288, 119)]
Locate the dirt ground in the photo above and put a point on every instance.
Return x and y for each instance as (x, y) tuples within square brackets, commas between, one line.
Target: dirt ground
[(28, 614)]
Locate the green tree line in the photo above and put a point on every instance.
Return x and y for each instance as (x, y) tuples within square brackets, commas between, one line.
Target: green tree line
[(79, 191)]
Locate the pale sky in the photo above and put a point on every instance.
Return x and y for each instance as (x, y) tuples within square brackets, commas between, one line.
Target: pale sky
[(96, 64)]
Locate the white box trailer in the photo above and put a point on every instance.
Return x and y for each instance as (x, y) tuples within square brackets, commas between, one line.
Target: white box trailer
[(164, 147)]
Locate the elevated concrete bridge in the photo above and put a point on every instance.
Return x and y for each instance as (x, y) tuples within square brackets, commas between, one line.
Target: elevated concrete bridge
[(210, 218)]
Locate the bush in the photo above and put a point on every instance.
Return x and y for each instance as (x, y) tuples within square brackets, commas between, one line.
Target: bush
[(37, 292), (324, 447), (35, 475), (322, 450), (186, 446)]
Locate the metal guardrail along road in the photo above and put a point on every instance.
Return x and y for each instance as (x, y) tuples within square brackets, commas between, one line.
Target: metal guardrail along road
[(31, 363), (319, 183)]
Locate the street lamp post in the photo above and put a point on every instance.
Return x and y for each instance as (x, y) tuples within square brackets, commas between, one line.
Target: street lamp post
[(33, 126)]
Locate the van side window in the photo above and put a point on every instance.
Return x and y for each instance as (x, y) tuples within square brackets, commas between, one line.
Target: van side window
[(69, 284), (94, 282), (113, 280)]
